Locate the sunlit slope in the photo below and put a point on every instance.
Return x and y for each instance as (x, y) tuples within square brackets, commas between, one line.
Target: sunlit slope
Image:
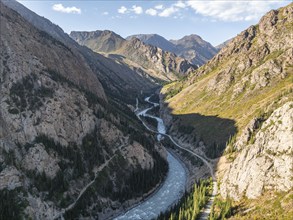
[(252, 75)]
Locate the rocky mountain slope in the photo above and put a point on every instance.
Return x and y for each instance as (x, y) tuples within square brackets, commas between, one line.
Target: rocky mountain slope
[(164, 66), (118, 80), (68, 146), (100, 41), (245, 94), (192, 48), (155, 40)]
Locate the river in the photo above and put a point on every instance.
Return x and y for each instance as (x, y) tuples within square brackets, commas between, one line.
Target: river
[(174, 185), (171, 190)]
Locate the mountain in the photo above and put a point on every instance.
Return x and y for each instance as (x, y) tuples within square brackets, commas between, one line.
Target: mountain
[(116, 79), (69, 145), (194, 49), (240, 102), (155, 40), (220, 46), (153, 61), (102, 41)]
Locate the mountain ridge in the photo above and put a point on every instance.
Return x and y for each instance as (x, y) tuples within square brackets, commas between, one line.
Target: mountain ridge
[(116, 79), (155, 40), (191, 47), (154, 61)]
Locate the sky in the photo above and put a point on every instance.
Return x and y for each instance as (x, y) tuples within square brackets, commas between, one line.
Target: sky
[(215, 21)]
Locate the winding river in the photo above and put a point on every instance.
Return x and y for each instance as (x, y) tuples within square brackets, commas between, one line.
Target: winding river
[(171, 190), (174, 185)]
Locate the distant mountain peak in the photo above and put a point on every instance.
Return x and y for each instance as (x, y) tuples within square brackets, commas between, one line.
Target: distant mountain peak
[(191, 47), (155, 61)]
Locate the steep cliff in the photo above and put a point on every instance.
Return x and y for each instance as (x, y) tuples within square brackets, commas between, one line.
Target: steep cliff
[(265, 161), (66, 146)]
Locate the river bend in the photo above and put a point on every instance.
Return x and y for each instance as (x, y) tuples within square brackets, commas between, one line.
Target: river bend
[(171, 190)]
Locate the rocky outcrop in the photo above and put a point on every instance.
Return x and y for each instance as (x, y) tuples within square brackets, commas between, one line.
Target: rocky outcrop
[(10, 178), (136, 153), (267, 163), (264, 49), (37, 159)]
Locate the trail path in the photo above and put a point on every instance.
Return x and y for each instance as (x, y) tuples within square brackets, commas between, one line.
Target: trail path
[(83, 190)]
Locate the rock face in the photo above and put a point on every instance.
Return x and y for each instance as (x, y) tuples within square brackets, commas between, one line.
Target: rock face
[(151, 60), (38, 159), (60, 130), (267, 163), (10, 178), (249, 84)]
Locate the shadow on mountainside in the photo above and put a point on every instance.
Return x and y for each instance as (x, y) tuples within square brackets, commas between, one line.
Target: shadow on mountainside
[(194, 128)]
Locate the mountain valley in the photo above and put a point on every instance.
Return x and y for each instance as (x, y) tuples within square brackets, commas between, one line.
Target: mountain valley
[(97, 126)]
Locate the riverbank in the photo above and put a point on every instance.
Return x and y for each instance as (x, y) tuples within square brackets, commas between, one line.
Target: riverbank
[(169, 193), (152, 207), (157, 200)]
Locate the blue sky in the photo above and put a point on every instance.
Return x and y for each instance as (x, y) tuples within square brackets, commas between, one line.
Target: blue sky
[(215, 21)]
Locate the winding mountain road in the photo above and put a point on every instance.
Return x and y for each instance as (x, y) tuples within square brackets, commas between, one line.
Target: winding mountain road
[(162, 131), (171, 190)]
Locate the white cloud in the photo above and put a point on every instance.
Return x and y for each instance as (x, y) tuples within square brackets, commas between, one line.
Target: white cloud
[(151, 12), (159, 7), (105, 13), (176, 7), (61, 8), (122, 10), (137, 9), (168, 11), (180, 4), (232, 10)]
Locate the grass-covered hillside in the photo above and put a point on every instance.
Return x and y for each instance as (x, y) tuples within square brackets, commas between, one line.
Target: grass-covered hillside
[(252, 75)]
